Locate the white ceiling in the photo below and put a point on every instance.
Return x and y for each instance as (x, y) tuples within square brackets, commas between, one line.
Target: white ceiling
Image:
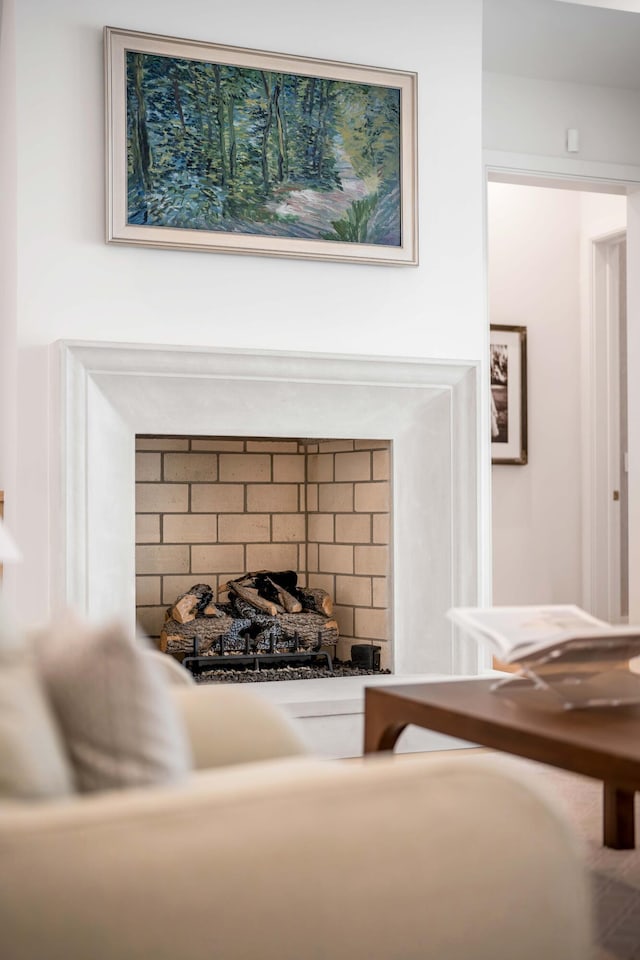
[(567, 41)]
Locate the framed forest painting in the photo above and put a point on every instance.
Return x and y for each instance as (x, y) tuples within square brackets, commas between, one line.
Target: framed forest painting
[(508, 365), (220, 148)]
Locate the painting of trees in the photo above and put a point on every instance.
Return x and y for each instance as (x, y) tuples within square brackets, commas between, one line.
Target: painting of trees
[(218, 147)]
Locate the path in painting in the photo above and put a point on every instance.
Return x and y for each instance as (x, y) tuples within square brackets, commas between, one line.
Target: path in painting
[(315, 210)]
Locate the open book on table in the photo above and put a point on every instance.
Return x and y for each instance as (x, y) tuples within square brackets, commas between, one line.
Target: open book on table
[(539, 634)]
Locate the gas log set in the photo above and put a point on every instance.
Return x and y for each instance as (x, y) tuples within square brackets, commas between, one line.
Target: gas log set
[(263, 616)]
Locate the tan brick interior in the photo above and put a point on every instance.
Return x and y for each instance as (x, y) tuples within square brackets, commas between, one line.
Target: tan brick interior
[(208, 509)]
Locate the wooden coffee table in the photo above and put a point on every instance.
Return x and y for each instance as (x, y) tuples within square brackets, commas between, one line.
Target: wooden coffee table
[(603, 743)]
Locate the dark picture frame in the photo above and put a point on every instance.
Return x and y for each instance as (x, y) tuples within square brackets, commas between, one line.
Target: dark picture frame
[(508, 372), (234, 150)]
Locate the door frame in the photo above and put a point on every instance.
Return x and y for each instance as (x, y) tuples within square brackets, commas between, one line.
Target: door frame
[(602, 471)]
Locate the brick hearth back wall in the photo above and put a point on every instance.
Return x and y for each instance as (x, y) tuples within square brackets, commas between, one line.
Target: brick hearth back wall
[(211, 509)]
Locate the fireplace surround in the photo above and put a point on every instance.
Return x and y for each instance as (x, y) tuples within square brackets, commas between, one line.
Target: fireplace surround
[(111, 392)]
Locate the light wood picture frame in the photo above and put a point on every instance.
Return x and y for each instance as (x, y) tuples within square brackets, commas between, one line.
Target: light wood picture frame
[(226, 149)]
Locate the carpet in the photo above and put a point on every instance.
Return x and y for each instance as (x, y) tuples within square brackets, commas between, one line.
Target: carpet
[(615, 873)]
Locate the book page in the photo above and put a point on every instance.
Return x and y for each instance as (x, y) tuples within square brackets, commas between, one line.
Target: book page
[(514, 631)]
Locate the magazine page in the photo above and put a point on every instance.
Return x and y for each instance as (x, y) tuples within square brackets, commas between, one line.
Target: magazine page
[(516, 632)]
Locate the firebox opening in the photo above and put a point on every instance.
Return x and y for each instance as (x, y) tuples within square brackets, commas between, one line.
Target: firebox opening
[(211, 510)]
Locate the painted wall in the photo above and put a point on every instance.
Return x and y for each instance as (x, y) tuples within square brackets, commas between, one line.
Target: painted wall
[(534, 282), (539, 277), (72, 285), (633, 6), (530, 116), (601, 215), (8, 213)]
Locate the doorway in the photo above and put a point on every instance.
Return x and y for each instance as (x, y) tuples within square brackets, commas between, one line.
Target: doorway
[(556, 258)]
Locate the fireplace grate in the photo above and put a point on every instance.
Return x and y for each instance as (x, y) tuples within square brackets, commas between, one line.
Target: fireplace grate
[(211, 661), (196, 661)]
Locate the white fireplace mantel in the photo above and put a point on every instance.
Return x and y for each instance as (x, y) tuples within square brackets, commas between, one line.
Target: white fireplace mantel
[(109, 392)]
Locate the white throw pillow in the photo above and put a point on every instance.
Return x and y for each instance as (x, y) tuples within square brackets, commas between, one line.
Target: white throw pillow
[(113, 705), (33, 761), (175, 674)]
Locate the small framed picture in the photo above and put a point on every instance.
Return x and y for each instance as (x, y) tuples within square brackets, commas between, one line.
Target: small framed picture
[(508, 366)]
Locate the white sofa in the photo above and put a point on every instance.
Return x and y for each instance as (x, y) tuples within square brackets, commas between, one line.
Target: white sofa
[(270, 854)]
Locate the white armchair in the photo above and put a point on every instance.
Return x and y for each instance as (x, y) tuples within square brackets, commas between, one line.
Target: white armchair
[(269, 854)]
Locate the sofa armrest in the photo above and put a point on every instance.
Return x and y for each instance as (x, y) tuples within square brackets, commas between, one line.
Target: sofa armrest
[(228, 725), (298, 858)]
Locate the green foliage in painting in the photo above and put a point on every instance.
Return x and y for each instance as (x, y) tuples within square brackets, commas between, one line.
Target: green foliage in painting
[(225, 148), (353, 228)]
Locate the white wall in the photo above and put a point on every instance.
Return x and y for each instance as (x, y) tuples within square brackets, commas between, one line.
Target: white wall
[(633, 6), (8, 212), (72, 285), (530, 116), (601, 215), (539, 276), (534, 246)]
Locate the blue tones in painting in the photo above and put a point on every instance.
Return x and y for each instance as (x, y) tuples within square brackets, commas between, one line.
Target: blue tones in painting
[(229, 149)]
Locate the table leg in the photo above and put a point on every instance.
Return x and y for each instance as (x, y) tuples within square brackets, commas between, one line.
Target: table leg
[(381, 731), (618, 818)]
